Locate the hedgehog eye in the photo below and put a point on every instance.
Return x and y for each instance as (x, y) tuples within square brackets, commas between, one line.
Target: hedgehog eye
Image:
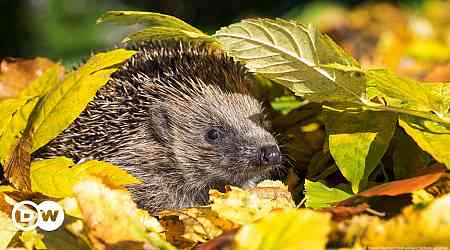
[(213, 135)]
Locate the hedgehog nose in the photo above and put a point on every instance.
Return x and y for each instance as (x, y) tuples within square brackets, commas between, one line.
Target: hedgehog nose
[(270, 155)]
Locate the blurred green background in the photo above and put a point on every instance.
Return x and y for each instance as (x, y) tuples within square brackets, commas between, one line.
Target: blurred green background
[(65, 30)]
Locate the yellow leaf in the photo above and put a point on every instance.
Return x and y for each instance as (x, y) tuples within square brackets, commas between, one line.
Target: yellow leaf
[(245, 206), (15, 113), (15, 149), (187, 227), (151, 19), (318, 195), (291, 229), (44, 83), (32, 240), (56, 177), (358, 141), (62, 105), (415, 227), (7, 230), (432, 137), (112, 217)]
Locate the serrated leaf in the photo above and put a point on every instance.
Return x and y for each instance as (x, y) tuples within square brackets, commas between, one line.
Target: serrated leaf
[(432, 137), (286, 230), (318, 195), (291, 54), (442, 91), (358, 141), (146, 18), (56, 177), (61, 106), (160, 33), (405, 93)]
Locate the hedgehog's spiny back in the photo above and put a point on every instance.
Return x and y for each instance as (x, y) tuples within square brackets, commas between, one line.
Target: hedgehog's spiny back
[(110, 123), (173, 63)]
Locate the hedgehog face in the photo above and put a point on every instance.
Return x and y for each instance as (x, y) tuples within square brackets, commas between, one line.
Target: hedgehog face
[(223, 136)]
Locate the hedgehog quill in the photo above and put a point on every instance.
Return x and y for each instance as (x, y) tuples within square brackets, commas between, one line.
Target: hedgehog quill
[(182, 118)]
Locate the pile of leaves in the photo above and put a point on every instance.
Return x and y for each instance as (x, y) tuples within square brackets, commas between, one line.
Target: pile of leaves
[(369, 147)]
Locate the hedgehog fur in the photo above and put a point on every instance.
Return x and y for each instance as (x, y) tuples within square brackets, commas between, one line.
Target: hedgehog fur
[(179, 116)]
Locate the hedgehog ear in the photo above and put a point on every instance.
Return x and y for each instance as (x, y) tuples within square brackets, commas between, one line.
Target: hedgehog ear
[(159, 119)]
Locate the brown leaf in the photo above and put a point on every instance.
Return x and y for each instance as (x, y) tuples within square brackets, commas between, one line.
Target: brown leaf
[(4, 205), (441, 73), (224, 241), (17, 169), (16, 74), (423, 178), (441, 187), (394, 188), (340, 213), (187, 227)]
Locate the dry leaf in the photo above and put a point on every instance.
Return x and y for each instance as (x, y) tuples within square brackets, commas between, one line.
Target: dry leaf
[(16, 74)]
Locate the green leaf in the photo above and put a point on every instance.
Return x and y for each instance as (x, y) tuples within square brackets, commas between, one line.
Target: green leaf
[(442, 91), (158, 26), (32, 240), (432, 137), (399, 92), (7, 230), (407, 156), (318, 195), (285, 104), (56, 177), (284, 230), (293, 55), (146, 18), (313, 66), (159, 33), (62, 105), (358, 141)]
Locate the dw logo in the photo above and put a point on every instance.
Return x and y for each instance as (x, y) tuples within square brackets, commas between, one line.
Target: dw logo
[(27, 215)]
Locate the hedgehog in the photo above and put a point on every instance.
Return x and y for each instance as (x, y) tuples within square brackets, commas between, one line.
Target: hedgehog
[(180, 116)]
